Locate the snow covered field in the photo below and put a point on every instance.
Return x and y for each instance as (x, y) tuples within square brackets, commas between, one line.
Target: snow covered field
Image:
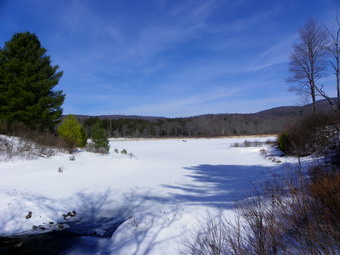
[(160, 194)]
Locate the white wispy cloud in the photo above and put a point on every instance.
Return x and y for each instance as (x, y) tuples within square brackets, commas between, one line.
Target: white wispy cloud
[(150, 40), (182, 106), (276, 54)]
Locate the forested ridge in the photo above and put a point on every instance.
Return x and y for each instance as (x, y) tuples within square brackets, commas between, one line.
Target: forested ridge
[(270, 121)]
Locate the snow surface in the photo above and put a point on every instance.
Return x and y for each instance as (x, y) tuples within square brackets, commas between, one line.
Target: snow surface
[(161, 193)]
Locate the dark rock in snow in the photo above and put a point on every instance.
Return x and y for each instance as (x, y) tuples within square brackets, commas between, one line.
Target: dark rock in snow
[(29, 215)]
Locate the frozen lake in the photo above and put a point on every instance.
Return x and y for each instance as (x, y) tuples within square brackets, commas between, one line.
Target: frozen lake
[(160, 192)]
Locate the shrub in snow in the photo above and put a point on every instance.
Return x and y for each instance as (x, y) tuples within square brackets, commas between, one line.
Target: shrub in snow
[(83, 141), (313, 134), (123, 151), (282, 141), (72, 132), (100, 140), (13, 147), (247, 143), (40, 138), (263, 152)]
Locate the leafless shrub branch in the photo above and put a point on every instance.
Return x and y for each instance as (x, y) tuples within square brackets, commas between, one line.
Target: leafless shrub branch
[(295, 214), (247, 143)]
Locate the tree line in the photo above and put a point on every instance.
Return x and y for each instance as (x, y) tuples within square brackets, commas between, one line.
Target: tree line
[(206, 125)]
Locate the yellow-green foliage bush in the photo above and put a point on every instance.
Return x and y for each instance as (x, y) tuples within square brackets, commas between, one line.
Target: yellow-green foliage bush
[(71, 131)]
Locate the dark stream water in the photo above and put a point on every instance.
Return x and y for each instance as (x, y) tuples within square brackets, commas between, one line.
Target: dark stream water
[(53, 242)]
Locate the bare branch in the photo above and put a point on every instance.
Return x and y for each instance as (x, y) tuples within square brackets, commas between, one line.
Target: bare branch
[(308, 60), (334, 49)]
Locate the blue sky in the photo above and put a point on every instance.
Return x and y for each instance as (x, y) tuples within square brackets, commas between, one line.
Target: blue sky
[(172, 58)]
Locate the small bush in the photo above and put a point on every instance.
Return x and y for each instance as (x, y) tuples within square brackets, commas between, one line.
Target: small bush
[(310, 135), (14, 147), (123, 151), (25, 143), (71, 131), (282, 142), (247, 143), (39, 137), (83, 138), (325, 188), (100, 140), (263, 153)]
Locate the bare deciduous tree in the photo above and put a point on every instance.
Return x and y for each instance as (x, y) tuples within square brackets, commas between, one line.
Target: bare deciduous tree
[(308, 60), (334, 50)]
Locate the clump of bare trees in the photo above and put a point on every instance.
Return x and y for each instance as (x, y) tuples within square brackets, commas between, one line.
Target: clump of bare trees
[(317, 48)]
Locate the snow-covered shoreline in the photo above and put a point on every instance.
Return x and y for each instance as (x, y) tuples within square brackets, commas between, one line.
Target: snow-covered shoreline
[(163, 191)]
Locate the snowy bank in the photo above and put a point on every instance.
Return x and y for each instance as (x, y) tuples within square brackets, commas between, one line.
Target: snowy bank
[(159, 194)]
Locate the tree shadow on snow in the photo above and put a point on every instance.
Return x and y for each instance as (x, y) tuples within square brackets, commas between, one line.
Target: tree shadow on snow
[(80, 221), (95, 218), (89, 231), (98, 215), (218, 185)]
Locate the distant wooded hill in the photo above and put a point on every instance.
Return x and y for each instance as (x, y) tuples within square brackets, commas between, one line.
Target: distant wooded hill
[(270, 121)]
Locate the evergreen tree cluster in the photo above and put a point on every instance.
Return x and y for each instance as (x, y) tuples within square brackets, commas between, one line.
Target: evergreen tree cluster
[(73, 133)]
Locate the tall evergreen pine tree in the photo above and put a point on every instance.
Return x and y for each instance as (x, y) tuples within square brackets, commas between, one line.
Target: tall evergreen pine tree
[(27, 79)]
